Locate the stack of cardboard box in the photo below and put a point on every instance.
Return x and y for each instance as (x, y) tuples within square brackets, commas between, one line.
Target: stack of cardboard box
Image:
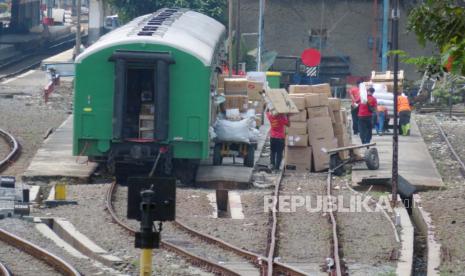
[(298, 154), (321, 120), (243, 95)]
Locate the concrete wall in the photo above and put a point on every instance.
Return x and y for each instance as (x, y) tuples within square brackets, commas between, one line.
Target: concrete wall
[(96, 19), (348, 23)]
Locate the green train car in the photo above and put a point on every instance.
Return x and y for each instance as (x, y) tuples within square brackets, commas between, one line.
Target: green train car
[(143, 92)]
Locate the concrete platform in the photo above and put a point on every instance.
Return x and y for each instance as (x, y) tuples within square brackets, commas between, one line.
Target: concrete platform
[(54, 160), (415, 163)]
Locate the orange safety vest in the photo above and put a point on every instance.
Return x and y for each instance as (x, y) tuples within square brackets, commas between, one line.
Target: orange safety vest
[(403, 104)]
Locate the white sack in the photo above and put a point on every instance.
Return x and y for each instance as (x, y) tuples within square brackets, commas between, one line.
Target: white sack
[(233, 131), (383, 96), (363, 93)]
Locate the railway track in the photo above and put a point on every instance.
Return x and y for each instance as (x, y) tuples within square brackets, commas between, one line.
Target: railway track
[(279, 268), (38, 253), (261, 263), (4, 270), (13, 152), (27, 61), (171, 245), (449, 145)]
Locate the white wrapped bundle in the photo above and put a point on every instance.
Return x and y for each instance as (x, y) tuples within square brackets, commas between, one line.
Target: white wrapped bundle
[(383, 96), (234, 131), (380, 88), (363, 93), (387, 103)]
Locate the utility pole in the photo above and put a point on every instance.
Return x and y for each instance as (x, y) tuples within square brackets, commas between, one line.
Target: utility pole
[(77, 49), (238, 34), (261, 9), (395, 138), (384, 59), (230, 44)]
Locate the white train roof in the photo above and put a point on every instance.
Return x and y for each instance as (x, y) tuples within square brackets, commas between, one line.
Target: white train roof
[(188, 31)]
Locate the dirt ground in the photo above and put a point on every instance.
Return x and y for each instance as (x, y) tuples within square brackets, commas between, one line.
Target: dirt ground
[(27, 117), (447, 205)]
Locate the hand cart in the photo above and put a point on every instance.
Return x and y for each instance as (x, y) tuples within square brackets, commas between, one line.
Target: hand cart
[(234, 149), (336, 163)]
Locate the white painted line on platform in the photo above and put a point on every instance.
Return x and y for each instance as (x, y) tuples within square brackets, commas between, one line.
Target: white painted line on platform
[(33, 193), (18, 77), (51, 195), (212, 198), (235, 205), (48, 233)]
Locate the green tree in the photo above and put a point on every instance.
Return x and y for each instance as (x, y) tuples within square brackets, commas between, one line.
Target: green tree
[(443, 24), (128, 9)]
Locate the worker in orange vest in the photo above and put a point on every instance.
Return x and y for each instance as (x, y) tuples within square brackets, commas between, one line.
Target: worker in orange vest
[(403, 107)]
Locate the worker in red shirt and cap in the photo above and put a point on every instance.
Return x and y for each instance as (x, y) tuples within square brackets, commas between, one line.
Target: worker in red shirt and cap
[(278, 125), (365, 116)]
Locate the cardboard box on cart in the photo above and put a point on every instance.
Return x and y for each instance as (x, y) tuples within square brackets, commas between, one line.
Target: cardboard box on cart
[(298, 159), (254, 88), (236, 102), (320, 158), (234, 86)]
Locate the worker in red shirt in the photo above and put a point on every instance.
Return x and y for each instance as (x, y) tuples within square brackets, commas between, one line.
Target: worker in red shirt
[(278, 125), (365, 116), (354, 93)]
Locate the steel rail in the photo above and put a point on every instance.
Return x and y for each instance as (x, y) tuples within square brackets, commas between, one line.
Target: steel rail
[(14, 145), (4, 270), (337, 260), (274, 225), (194, 259), (41, 254), (256, 259), (454, 153)]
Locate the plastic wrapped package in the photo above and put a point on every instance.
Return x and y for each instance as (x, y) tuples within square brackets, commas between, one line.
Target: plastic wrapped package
[(253, 134), (233, 131), (363, 93), (383, 96), (387, 103), (212, 133), (380, 88)]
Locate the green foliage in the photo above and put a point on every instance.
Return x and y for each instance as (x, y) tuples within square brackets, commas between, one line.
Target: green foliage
[(432, 64), (442, 23), (449, 89), (129, 9)]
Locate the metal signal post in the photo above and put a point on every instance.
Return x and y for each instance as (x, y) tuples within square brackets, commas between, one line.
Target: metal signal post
[(395, 141)]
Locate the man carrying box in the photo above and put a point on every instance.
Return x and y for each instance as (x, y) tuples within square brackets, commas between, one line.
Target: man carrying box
[(365, 116), (277, 137)]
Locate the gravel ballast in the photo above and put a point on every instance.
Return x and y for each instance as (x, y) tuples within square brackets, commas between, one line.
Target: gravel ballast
[(446, 206)]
